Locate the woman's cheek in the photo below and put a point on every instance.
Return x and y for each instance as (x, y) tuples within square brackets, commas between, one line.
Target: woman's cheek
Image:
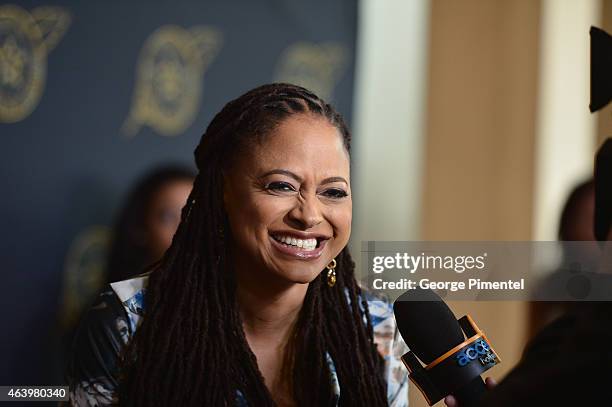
[(342, 217)]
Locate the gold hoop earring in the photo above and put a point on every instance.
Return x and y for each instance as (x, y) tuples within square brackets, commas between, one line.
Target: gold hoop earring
[(331, 273)]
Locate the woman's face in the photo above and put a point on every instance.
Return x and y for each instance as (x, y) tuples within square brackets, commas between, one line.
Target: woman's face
[(288, 201)]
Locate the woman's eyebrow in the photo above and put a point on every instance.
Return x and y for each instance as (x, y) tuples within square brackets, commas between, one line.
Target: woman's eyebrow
[(300, 179), (283, 172), (334, 179)]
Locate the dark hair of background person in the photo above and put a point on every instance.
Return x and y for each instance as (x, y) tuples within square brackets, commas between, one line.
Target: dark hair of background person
[(191, 349), (573, 212), (575, 225), (130, 252)]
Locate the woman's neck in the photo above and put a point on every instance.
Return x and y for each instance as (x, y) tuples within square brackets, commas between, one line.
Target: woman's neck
[(269, 311)]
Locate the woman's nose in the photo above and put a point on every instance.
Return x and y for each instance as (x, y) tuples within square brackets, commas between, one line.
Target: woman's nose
[(307, 212)]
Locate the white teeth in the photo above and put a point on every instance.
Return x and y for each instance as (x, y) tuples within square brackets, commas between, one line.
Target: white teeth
[(306, 244)]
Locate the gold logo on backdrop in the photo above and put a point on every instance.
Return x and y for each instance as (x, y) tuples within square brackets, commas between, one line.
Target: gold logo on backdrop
[(169, 78), (317, 67), (84, 271), (25, 41)]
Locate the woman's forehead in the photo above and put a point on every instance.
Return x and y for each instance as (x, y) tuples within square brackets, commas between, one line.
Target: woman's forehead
[(306, 142)]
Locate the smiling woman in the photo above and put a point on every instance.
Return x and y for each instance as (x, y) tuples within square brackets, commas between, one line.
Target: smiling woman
[(288, 202), (255, 302)]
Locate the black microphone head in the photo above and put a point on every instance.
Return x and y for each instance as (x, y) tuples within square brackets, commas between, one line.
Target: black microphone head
[(601, 64), (426, 324), (603, 190)]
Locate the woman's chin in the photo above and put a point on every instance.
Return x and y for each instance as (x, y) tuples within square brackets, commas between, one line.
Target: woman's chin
[(298, 276)]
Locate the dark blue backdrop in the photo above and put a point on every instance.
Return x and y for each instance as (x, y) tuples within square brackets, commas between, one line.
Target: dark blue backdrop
[(66, 163)]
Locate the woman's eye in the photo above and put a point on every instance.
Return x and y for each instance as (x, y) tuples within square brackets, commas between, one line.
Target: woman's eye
[(335, 193), (280, 187)]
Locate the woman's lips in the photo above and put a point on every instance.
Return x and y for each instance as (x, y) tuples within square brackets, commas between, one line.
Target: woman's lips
[(298, 252)]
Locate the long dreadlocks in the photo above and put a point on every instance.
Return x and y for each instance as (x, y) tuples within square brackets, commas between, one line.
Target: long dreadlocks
[(191, 349)]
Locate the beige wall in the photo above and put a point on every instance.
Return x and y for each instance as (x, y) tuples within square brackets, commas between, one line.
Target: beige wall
[(481, 112), (388, 119), (565, 133), (481, 120)]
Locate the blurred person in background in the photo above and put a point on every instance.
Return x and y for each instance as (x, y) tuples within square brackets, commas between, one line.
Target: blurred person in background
[(580, 252), (143, 230), (568, 362), (255, 302), (147, 221)]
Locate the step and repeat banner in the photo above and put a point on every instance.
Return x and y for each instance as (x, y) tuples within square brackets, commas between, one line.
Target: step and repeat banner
[(94, 94)]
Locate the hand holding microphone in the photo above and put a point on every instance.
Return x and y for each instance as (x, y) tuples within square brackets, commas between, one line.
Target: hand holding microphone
[(453, 364)]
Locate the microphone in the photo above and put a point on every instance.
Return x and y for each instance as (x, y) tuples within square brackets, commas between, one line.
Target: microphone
[(601, 63), (453, 364)]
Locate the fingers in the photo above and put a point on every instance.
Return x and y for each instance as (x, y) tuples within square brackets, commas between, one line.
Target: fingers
[(450, 401), (490, 383)]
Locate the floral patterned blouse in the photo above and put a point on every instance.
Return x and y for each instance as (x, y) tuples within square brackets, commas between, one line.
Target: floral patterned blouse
[(113, 320)]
